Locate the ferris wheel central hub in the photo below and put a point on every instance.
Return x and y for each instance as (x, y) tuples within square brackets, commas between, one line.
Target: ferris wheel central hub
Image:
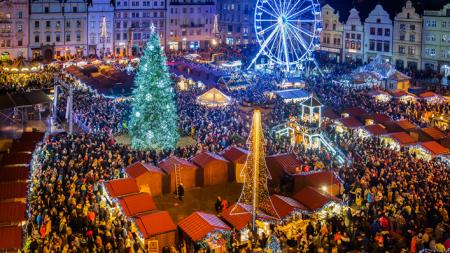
[(282, 20)]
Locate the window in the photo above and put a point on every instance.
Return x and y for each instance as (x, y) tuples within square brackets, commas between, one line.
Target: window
[(372, 31), (117, 24), (358, 36), (58, 37), (48, 38), (380, 31), (412, 27), (379, 45), (386, 46), (125, 24), (58, 24), (401, 50), (387, 32), (75, 9), (412, 38), (36, 38), (402, 37), (353, 27), (48, 24), (46, 9), (36, 24), (78, 36), (125, 36), (433, 52), (117, 36), (67, 24), (78, 24), (411, 50), (20, 14), (19, 28), (372, 45), (19, 43), (67, 37), (402, 27)]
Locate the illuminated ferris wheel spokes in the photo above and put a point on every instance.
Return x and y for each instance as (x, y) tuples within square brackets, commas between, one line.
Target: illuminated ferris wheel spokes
[(287, 30)]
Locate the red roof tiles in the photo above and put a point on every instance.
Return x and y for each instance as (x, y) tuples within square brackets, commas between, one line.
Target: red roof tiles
[(285, 205), (350, 122), (168, 165), (155, 224), (16, 158), (403, 138), (198, 225), (354, 111), (12, 212), (12, 190), (376, 130), (11, 238), (19, 173), (121, 187), (313, 199), (433, 132), (435, 148), (317, 179), (137, 203), (204, 158), (405, 125), (284, 162), (235, 154), (428, 94), (239, 218), (138, 169)]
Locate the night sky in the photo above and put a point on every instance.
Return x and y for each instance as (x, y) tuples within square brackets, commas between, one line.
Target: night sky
[(391, 6)]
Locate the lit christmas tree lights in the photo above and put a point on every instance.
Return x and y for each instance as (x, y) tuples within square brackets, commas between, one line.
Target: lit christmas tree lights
[(153, 122)]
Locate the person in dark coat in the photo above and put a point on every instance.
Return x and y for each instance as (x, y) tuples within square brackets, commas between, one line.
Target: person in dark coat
[(180, 192)]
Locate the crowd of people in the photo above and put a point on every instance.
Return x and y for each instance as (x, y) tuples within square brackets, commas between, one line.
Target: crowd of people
[(22, 82), (398, 200)]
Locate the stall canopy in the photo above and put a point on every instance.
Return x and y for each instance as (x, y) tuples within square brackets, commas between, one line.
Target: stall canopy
[(406, 125), (121, 187), (155, 223), (287, 163), (376, 117), (240, 216), (12, 174), (285, 205), (12, 213), (350, 122), (27, 99), (198, 225), (376, 130), (323, 180), (11, 238), (292, 95), (214, 98), (138, 169), (434, 148), (235, 154), (403, 138), (137, 203), (16, 159), (433, 132), (429, 95), (330, 113), (314, 199), (12, 190), (353, 111)]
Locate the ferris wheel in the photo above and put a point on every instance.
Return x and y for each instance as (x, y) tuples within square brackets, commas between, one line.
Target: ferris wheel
[(288, 31)]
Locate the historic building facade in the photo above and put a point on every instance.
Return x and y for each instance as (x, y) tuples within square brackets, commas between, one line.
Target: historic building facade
[(407, 38), (378, 35), (352, 50), (13, 29), (100, 27), (331, 35), (132, 22), (235, 21), (436, 40), (58, 29), (191, 24)]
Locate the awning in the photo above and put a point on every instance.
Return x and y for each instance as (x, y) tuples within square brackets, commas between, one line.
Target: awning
[(16, 159), (376, 130), (155, 224), (137, 203), (198, 225), (121, 187), (11, 238), (12, 213), (314, 199), (403, 138), (350, 122), (292, 94), (285, 205), (434, 148), (13, 174), (13, 190)]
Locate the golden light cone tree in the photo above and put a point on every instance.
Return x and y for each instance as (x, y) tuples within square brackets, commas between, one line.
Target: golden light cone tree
[(255, 191)]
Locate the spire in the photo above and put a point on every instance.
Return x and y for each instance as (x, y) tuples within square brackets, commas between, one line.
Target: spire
[(254, 191), (152, 28)]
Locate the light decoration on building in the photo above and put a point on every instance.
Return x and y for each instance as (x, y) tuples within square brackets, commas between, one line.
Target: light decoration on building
[(255, 172), (287, 31)]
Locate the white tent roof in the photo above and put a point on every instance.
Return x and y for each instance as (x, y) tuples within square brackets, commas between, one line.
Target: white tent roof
[(213, 98)]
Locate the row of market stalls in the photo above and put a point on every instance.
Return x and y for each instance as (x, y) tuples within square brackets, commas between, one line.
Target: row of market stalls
[(22, 66), (14, 182), (405, 97), (428, 142)]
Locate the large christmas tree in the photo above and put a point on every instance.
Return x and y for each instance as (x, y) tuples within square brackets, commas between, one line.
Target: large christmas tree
[(153, 122)]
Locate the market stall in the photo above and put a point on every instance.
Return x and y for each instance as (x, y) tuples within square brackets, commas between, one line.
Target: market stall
[(292, 83), (372, 130), (135, 204), (11, 238), (120, 187), (428, 150), (398, 140), (14, 174), (16, 159), (431, 97), (375, 118), (281, 165), (404, 96), (157, 230), (202, 230), (149, 178), (237, 157), (213, 98), (12, 213), (287, 207), (292, 95), (349, 123), (13, 191), (313, 199), (380, 96), (187, 173), (325, 181), (213, 169)]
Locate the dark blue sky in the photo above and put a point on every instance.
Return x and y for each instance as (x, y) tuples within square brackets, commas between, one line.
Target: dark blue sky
[(391, 6)]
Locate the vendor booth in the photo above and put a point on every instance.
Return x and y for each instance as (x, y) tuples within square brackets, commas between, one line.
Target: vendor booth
[(201, 231), (138, 203), (120, 187), (186, 170), (292, 95), (349, 123), (149, 178), (157, 230), (325, 181), (292, 83), (237, 157), (376, 130), (397, 81), (431, 97), (286, 206), (12, 213), (13, 192), (398, 140), (213, 98), (428, 150), (213, 169), (314, 200), (380, 96), (404, 96), (11, 238)]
